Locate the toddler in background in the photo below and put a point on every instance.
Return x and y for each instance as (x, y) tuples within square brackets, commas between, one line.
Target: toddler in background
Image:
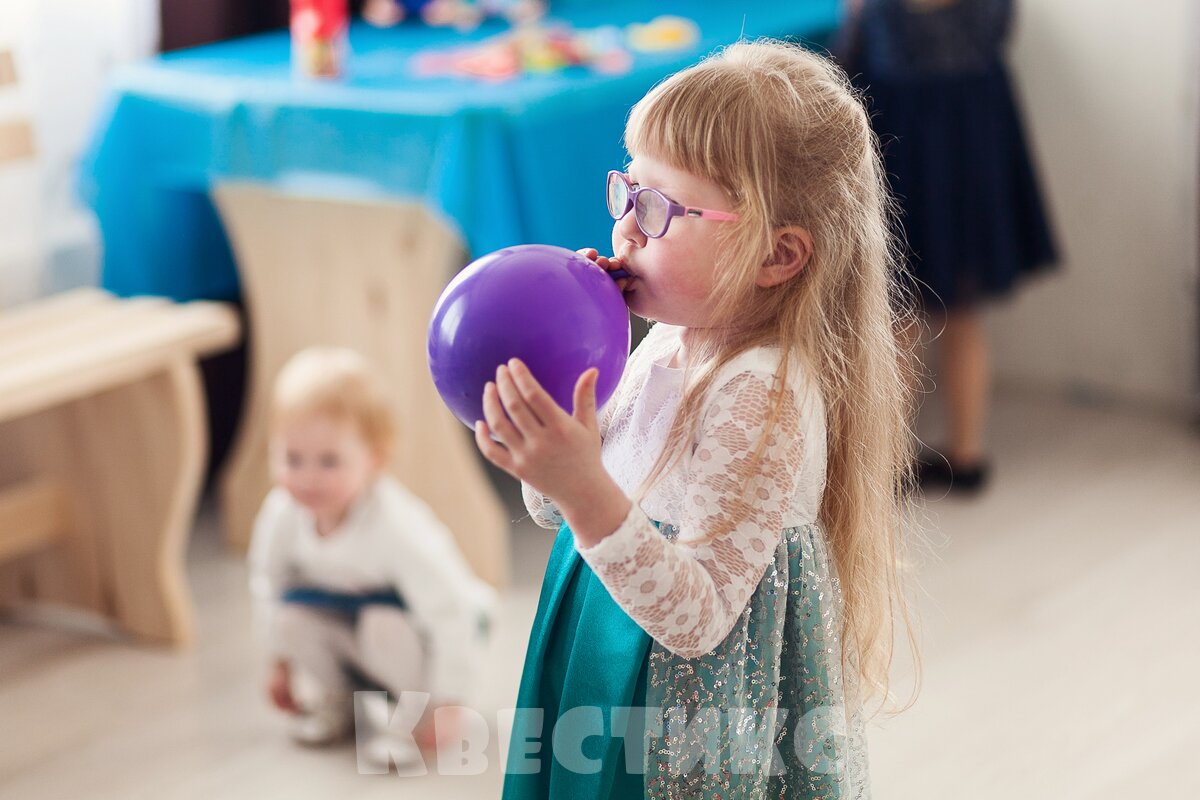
[(355, 580)]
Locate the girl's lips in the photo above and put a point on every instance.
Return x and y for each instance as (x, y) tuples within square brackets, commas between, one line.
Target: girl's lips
[(620, 263)]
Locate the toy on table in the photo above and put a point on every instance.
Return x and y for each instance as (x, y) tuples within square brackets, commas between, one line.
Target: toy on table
[(552, 308), (460, 14), (535, 49), (319, 37), (662, 33), (542, 48)]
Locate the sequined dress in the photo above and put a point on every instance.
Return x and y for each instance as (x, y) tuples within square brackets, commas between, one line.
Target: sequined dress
[(721, 621)]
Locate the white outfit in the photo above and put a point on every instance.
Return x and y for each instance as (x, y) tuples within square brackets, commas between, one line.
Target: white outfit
[(688, 597), (390, 540)]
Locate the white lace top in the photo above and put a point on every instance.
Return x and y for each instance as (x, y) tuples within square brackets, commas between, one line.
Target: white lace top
[(686, 584)]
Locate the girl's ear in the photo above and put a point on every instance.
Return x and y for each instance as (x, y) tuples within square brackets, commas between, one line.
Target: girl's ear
[(793, 248)]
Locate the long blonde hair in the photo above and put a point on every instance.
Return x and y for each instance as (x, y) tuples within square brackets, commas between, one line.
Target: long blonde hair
[(782, 132)]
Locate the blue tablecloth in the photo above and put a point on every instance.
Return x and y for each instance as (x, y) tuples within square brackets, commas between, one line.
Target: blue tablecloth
[(503, 163)]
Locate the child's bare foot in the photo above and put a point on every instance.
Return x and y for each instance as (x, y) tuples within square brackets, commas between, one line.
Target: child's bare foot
[(330, 721)]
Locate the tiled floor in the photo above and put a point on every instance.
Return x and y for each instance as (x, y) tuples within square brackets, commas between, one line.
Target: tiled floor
[(1060, 617)]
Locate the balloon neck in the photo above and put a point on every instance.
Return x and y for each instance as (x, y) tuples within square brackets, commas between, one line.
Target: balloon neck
[(617, 274)]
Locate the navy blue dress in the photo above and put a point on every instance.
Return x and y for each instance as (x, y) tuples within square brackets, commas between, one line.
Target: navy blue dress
[(953, 145)]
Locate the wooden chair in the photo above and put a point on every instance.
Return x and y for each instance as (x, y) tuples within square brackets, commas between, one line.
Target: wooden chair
[(102, 450)]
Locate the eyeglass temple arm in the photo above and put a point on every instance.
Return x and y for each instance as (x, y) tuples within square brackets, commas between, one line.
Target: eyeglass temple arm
[(706, 213)]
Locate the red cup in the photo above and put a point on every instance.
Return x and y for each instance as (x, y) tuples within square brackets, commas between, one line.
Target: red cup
[(319, 37)]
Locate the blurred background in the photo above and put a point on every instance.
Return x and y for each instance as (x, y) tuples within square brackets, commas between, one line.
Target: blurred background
[(1058, 609)]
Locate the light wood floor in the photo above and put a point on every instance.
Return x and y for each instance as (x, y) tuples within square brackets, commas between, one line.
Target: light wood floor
[(1060, 627)]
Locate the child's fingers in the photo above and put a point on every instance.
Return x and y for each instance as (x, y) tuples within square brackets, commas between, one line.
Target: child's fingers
[(492, 450), (518, 410), (585, 397), (497, 420), (540, 402), (593, 255), (607, 263)]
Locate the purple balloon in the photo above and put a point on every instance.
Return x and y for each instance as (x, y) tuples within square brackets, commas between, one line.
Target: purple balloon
[(548, 306)]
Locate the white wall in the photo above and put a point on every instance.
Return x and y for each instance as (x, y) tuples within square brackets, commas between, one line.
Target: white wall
[(1111, 93), (64, 50)]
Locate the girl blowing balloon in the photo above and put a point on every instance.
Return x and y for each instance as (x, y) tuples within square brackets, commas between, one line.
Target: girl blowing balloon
[(718, 605)]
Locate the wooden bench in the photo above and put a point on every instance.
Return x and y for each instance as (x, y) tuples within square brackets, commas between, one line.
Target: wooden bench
[(102, 448)]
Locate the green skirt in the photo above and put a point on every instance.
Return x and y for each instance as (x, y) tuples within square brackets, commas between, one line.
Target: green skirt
[(586, 657)]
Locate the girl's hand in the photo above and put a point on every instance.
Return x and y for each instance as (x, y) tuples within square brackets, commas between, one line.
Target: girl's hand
[(535, 440), (606, 263), (554, 452), (279, 688)]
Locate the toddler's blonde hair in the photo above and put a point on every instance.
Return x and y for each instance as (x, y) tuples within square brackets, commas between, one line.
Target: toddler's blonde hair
[(781, 130), (335, 382)]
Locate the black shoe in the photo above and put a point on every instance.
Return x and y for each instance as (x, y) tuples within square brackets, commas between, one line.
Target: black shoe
[(934, 470)]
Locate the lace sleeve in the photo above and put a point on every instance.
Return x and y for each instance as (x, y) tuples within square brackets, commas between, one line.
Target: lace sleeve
[(687, 591), (541, 508)]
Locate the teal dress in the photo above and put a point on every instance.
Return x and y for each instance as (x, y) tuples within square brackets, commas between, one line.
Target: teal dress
[(584, 653), (785, 724)]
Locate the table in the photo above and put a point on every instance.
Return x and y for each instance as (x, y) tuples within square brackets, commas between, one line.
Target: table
[(338, 210)]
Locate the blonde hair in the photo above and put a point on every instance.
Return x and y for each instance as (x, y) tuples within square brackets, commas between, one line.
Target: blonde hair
[(783, 133), (336, 382)]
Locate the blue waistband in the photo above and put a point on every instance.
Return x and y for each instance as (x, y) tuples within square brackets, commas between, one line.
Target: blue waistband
[(345, 602)]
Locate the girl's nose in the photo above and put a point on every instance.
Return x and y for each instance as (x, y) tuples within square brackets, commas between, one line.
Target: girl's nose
[(628, 228)]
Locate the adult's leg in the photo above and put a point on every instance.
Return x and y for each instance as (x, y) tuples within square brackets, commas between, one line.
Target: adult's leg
[(965, 371)]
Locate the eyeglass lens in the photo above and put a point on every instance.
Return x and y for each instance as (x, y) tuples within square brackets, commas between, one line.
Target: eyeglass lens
[(649, 207), (650, 212), (618, 195)]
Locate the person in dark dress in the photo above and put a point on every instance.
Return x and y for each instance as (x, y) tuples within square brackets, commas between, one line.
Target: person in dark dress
[(943, 107)]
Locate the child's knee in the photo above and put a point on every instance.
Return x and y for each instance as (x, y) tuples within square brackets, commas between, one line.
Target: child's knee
[(291, 621), (391, 649), (387, 628), (294, 627)]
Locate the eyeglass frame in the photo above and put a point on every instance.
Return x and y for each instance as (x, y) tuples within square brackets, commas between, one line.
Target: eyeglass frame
[(673, 209)]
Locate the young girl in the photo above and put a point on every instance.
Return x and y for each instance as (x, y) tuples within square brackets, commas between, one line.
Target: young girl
[(354, 577), (729, 525)]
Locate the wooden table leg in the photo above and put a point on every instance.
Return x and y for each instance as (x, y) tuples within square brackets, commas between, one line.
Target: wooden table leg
[(130, 461), (362, 275)]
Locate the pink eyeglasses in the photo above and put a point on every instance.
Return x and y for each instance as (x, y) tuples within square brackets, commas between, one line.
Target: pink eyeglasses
[(652, 210)]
